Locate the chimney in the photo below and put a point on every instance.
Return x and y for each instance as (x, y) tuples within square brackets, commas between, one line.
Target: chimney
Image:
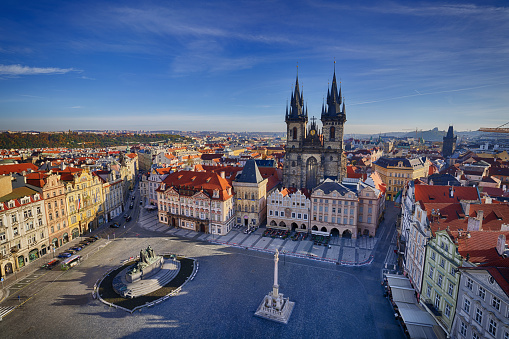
[(451, 192), (222, 174), (466, 208), (502, 248)]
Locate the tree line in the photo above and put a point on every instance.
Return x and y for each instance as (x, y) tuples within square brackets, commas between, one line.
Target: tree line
[(81, 140)]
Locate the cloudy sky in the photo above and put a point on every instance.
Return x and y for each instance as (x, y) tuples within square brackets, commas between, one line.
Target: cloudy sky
[(231, 65)]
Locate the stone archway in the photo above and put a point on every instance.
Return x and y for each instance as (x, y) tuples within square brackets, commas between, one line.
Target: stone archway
[(302, 227), (65, 238), (33, 255), (315, 228), (323, 229), (334, 232), (347, 234), (8, 268), (273, 223), (75, 233), (282, 224), (294, 226)]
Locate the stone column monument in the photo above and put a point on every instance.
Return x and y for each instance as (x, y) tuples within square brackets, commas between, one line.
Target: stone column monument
[(274, 306)]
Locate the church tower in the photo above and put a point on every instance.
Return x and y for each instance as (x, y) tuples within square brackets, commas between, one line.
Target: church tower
[(449, 145), (313, 155), (333, 118)]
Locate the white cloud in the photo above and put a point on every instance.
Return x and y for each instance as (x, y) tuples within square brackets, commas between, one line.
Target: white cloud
[(27, 70)]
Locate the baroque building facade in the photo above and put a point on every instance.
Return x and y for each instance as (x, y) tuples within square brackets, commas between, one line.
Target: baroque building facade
[(313, 155)]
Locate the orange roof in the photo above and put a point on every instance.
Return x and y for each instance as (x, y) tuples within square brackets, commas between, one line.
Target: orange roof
[(131, 155), (481, 246), (195, 181), (17, 168), (441, 194)]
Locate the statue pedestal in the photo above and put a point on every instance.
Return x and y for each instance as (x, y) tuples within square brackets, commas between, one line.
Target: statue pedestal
[(275, 308)]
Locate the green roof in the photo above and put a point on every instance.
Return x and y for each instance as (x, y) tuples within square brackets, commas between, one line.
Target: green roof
[(17, 193)]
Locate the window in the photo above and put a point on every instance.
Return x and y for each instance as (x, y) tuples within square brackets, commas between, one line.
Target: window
[(15, 231), (428, 291), (482, 292), (270, 212), (282, 212), (437, 301), (469, 283), (299, 216), (478, 315), (305, 217), (442, 262), (430, 272), (495, 302), (432, 255), (293, 215), (466, 305), (450, 290), (440, 278), (447, 310), (492, 327), (463, 329), (452, 271), (2, 237)]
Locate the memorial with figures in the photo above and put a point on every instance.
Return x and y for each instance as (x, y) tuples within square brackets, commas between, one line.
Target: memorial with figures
[(274, 306), (149, 273)]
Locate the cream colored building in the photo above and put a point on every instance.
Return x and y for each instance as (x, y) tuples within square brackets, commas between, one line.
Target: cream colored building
[(198, 201), (250, 196), (288, 209), (396, 172), (23, 228)]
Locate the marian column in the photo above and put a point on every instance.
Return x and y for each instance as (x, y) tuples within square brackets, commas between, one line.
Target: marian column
[(275, 287)]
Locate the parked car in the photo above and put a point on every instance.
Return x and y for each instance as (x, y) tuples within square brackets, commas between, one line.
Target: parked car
[(131, 206), (70, 250), (128, 218), (92, 238), (115, 225), (134, 197), (126, 215), (64, 255), (76, 248)]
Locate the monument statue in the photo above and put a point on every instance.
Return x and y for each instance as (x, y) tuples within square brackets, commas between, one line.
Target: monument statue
[(274, 306), (147, 262)]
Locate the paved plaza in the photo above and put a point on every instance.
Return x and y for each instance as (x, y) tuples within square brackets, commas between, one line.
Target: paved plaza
[(344, 251), (330, 300)]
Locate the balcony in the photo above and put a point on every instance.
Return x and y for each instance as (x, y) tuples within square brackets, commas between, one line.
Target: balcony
[(431, 307)]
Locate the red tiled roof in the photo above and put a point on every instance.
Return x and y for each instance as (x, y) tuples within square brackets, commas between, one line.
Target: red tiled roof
[(197, 181), (480, 247), (17, 168), (440, 194)]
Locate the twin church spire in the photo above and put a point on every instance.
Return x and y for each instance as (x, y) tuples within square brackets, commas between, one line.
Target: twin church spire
[(335, 107)]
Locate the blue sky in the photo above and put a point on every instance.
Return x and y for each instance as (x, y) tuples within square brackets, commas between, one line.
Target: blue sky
[(231, 65)]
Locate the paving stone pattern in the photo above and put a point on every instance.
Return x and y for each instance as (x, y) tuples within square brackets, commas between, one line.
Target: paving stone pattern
[(344, 251)]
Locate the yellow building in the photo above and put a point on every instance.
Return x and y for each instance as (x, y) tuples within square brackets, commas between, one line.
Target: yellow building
[(396, 172), (84, 198)]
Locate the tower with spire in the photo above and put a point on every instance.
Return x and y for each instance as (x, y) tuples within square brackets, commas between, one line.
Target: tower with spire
[(314, 154), (449, 145)]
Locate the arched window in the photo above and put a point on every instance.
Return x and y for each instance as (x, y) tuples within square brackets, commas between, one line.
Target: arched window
[(332, 135), (294, 133)]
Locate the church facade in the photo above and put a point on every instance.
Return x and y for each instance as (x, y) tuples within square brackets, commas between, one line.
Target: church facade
[(314, 154)]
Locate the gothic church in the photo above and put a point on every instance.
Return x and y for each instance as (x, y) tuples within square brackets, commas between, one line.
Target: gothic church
[(313, 155)]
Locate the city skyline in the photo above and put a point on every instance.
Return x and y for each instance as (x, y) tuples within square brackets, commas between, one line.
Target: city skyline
[(231, 66)]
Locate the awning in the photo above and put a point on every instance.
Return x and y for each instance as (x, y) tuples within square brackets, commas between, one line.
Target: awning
[(404, 295), (396, 280), (417, 331), (414, 315)]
